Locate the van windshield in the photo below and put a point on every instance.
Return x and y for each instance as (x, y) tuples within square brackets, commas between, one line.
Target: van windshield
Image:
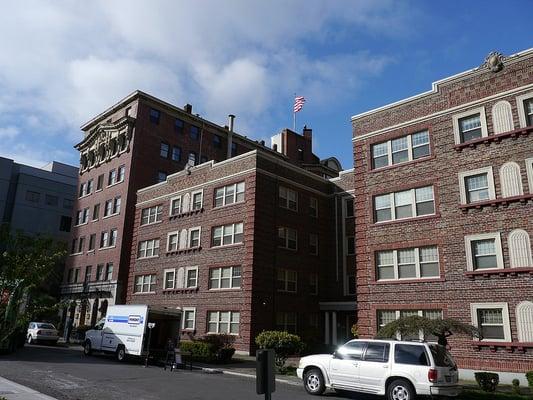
[(441, 356)]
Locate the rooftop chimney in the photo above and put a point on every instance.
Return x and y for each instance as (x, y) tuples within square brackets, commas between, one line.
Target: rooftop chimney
[(231, 119), (188, 108), (308, 132)]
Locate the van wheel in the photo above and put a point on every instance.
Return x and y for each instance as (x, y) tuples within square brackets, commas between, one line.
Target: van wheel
[(121, 353), (314, 382), (400, 389), (87, 349)]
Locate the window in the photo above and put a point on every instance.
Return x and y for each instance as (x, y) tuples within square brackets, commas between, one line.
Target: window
[(313, 207), (189, 318), (89, 187), (352, 350), (51, 200), (223, 322), (227, 234), (100, 272), (492, 319), (112, 237), (172, 241), (286, 321), (121, 173), (33, 197), (386, 316), (519, 249), (233, 149), (154, 116), (163, 151), (412, 263), (469, 125), (400, 150), (109, 271), (145, 284), (169, 278), (217, 141), (483, 251), (194, 237), (410, 354), (377, 352), (313, 244), (81, 244), (197, 197), (65, 223), (185, 278), (193, 158), (525, 109), (112, 178), (178, 125), (406, 204), (350, 246), (104, 239), (73, 275), (476, 185), (511, 180), (151, 215), (148, 248), (108, 208), (313, 284), (229, 194), (88, 273), (92, 242), (96, 211), (194, 132), (288, 198), (288, 238), (286, 280), (225, 278), (175, 205), (100, 182), (83, 190), (68, 204), (176, 153), (161, 176), (85, 215)]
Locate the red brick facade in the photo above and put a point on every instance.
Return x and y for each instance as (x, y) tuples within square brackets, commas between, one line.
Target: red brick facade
[(460, 290)]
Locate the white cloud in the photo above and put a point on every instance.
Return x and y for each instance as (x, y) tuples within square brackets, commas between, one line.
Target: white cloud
[(9, 132)]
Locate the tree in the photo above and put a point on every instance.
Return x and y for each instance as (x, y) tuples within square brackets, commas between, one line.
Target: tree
[(441, 328), (26, 264)]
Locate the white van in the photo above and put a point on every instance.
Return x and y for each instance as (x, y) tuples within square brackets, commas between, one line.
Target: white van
[(125, 330)]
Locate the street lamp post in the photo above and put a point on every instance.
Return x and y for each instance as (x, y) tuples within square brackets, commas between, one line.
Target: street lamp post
[(151, 326)]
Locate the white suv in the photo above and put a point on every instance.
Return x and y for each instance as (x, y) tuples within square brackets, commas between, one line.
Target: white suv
[(401, 370)]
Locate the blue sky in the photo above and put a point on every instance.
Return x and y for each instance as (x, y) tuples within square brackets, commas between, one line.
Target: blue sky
[(62, 62)]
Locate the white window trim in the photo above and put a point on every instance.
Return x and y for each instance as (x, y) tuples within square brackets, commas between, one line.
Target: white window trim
[(409, 149), (315, 200), (165, 271), (286, 280), (148, 240), (184, 309), (233, 243), (529, 170), (189, 237), (462, 183), (498, 244), (177, 233), (220, 278), (521, 110), (235, 193), (286, 246), (135, 284), (149, 208), (218, 321), (170, 205), (392, 200), (417, 263), (457, 117), (185, 277), (505, 315), (286, 205), (201, 191)]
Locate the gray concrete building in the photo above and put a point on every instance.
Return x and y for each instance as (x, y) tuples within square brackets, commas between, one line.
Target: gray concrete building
[(38, 200)]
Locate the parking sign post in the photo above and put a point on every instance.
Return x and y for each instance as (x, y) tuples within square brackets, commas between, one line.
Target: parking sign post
[(265, 374)]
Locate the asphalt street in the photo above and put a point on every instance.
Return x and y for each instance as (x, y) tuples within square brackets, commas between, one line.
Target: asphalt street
[(69, 375)]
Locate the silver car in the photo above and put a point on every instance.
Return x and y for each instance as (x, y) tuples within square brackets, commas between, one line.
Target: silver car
[(41, 332)]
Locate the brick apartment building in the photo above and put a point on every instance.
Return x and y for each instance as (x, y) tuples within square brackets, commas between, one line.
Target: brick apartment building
[(147, 211), (444, 211), (251, 243)]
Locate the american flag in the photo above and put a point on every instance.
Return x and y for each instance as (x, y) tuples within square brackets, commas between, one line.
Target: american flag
[(298, 103)]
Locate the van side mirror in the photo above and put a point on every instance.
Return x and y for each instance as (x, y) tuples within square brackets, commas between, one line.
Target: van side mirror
[(336, 354)]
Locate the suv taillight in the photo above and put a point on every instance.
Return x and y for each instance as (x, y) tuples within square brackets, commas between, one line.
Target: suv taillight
[(432, 375)]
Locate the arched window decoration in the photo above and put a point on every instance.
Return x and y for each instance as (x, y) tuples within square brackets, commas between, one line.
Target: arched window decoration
[(180, 278), (183, 239), (185, 203), (524, 321), (511, 180), (91, 158), (102, 152), (519, 249), (84, 161), (113, 146), (502, 117)]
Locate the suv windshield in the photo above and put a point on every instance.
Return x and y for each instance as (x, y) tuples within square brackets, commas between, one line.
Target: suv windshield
[(45, 326), (441, 356)]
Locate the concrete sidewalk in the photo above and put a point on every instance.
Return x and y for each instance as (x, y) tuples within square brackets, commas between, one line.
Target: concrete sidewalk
[(13, 391)]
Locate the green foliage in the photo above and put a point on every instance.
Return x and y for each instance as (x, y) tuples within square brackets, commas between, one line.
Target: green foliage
[(355, 331), (211, 348), (529, 377), (516, 386), (200, 351), (442, 328), (487, 381), (283, 343), (27, 263)]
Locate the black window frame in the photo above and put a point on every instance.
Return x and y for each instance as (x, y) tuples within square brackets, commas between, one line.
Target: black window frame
[(155, 116)]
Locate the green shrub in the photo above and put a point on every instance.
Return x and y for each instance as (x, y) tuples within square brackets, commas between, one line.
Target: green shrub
[(516, 386), (211, 348), (487, 381), (529, 377), (283, 343), (200, 351)]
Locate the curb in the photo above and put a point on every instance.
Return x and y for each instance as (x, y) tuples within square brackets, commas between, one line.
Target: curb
[(13, 390), (279, 380)]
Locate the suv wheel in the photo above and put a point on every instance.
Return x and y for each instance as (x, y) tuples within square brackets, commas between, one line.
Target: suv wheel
[(87, 350), (314, 382), (121, 353), (400, 389)]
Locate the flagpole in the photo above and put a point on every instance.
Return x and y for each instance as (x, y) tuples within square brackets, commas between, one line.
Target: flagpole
[(294, 122)]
